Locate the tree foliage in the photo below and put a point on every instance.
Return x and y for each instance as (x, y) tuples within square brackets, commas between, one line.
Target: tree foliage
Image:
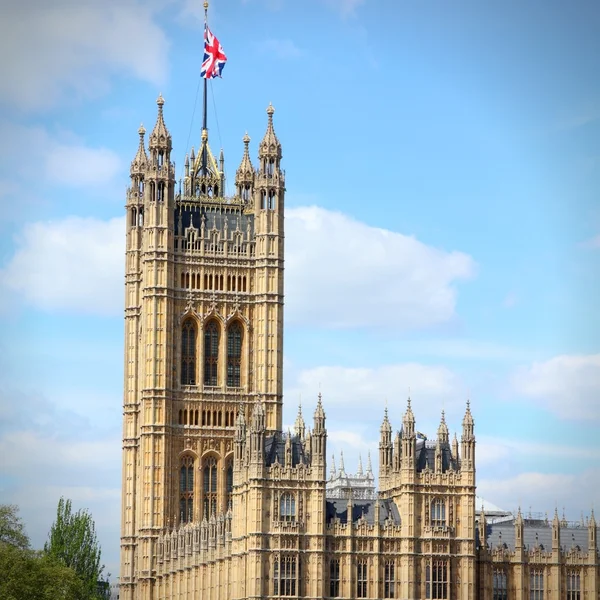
[(26, 574), (12, 530), (73, 543)]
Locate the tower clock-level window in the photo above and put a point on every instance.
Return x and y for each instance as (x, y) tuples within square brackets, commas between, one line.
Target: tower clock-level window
[(334, 578), (436, 580), (287, 508), (499, 585), (438, 513), (188, 353), (361, 579), (536, 584), (209, 487), (186, 490), (234, 354), (284, 575), (211, 353), (573, 585)]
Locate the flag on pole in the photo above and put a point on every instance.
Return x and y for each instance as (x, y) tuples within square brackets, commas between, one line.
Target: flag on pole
[(214, 57)]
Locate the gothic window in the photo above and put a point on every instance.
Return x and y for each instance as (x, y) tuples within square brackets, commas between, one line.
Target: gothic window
[(536, 584), (234, 354), (389, 579), (334, 578), (246, 193), (284, 576), (436, 580), (229, 483), (188, 353), (499, 585), (211, 353), (271, 201), (263, 199), (287, 507), (186, 489), (438, 513), (361, 579), (573, 585), (209, 487)]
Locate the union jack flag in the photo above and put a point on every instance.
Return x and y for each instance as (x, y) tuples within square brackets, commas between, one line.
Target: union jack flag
[(214, 57)]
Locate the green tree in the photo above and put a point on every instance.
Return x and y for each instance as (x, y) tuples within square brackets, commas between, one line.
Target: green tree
[(73, 543), (26, 574)]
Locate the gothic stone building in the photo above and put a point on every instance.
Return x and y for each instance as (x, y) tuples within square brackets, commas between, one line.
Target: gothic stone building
[(218, 503)]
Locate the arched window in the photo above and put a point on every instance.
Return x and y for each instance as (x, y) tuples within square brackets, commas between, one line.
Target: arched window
[(438, 513), (234, 354), (188, 353), (285, 575), (229, 483), (186, 489), (499, 587), (211, 353), (287, 507), (209, 487)]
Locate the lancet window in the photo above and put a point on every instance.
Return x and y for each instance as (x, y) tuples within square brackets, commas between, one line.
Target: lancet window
[(334, 578), (361, 579), (438, 513), (287, 507), (436, 580), (389, 580), (209, 487), (211, 353), (234, 354), (536, 584), (188, 353), (186, 489), (573, 585), (285, 571), (229, 483), (499, 585)]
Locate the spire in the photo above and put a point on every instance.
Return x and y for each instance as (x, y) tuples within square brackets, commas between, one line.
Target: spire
[(299, 425), (141, 158), (160, 138), (468, 422), (408, 422), (333, 470), (385, 425), (319, 416), (270, 146), (359, 470), (443, 435), (342, 468), (369, 465)]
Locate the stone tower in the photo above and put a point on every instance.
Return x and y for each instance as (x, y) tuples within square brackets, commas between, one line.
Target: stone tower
[(203, 334)]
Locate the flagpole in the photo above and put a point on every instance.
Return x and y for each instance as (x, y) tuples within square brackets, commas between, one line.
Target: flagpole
[(204, 102)]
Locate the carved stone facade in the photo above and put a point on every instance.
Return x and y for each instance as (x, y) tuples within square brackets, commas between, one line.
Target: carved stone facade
[(218, 503)]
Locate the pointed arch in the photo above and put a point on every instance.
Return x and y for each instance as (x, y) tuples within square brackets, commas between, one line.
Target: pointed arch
[(209, 486), (186, 489), (235, 339), (212, 335), (189, 334)]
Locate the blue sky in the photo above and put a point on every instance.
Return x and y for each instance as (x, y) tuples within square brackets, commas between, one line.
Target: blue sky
[(442, 225)]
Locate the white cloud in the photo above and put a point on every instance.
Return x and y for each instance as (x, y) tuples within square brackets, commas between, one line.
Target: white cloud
[(281, 48), (361, 275), (78, 165), (344, 273), (73, 264), (344, 388), (510, 300), (567, 385), (63, 157), (69, 49), (543, 491)]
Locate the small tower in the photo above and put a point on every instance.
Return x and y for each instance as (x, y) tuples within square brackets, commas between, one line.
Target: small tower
[(592, 531), (319, 437), (270, 177), (385, 447), (468, 441), (409, 439), (257, 434), (244, 176), (299, 425)]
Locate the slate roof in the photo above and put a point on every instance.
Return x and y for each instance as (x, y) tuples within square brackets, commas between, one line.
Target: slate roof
[(214, 218), (536, 533), (426, 456), (338, 509), (275, 450)]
